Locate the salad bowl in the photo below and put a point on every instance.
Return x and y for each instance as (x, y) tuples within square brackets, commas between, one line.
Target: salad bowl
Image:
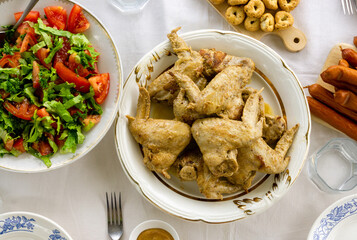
[(108, 62), (282, 91)]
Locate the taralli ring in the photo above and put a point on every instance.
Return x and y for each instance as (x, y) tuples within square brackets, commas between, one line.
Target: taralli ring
[(288, 5), (216, 2), (271, 4), (255, 8), (237, 2), (235, 15), (252, 24), (283, 20), (267, 22)]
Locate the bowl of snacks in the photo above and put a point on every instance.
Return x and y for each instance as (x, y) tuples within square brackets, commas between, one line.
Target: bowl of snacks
[(213, 126), (60, 82)]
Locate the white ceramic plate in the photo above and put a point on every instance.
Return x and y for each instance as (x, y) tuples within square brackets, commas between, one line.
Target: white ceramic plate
[(183, 199), (109, 61), (30, 226), (337, 222)]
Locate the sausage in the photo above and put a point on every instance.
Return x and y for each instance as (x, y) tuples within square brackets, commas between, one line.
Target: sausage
[(341, 74), (333, 118), (347, 99), (344, 63), (326, 97), (355, 41), (350, 56)]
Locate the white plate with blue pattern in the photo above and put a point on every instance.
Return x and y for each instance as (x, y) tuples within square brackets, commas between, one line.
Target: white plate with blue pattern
[(30, 226), (337, 222)]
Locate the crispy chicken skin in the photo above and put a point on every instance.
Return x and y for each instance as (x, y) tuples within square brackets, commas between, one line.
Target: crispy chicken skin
[(216, 61), (187, 164), (260, 157), (273, 128), (212, 186), (219, 139), (222, 96), (162, 140), (190, 63), (182, 110)]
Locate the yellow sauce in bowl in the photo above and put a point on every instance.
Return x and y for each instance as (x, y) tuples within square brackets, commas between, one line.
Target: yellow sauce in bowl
[(155, 234)]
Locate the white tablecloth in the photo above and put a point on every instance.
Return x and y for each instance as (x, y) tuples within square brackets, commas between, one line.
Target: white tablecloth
[(74, 195)]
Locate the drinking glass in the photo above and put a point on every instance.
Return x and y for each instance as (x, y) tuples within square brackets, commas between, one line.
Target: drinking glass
[(129, 6)]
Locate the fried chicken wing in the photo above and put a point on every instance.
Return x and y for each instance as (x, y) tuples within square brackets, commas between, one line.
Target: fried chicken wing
[(222, 96), (190, 62), (162, 140), (219, 139), (273, 128), (216, 61), (187, 165), (260, 157), (212, 186)]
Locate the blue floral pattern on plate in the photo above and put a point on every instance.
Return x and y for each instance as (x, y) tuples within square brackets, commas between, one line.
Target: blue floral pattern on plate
[(335, 216), (17, 223), (56, 235), (24, 224)]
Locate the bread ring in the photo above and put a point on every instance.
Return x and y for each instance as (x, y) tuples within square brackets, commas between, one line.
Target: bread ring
[(235, 15), (216, 2), (283, 20), (254, 9), (267, 22), (252, 24), (271, 4), (288, 5), (237, 2)]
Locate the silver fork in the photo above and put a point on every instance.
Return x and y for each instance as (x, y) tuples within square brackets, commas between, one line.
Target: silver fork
[(349, 7), (115, 218)]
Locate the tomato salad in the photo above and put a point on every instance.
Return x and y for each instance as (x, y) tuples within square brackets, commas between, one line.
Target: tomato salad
[(50, 88)]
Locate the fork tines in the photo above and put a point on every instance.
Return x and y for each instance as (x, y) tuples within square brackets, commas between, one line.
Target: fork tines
[(349, 7), (114, 214)]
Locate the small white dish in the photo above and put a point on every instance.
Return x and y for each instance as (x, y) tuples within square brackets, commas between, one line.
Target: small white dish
[(337, 222), (26, 226), (153, 224), (109, 61)]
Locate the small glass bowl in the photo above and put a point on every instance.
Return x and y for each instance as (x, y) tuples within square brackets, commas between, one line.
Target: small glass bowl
[(333, 168)]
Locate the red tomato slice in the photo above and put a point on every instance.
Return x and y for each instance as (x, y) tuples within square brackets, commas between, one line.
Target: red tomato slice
[(45, 21), (77, 67), (42, 112), (4, 94), (91, 119), (35, 75), (19, 145), (100, 84), (9, 144), (29, 39), (23, 110), (44, 148), (68, 75), (57, 16), (10, 60), (77, 22), (25, 28), (41, 54), (62, 54), (32, 16), (59, 142)]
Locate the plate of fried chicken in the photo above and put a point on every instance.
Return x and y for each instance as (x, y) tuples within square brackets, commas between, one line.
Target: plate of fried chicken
[(213, 126)]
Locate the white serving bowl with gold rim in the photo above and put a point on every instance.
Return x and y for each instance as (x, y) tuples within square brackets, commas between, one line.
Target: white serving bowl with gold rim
[(282, 91), (109, 61)]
